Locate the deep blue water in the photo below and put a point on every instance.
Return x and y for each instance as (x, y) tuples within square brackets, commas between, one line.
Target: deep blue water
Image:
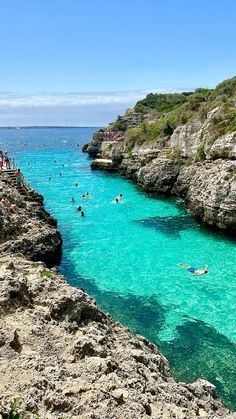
[(125, 255)]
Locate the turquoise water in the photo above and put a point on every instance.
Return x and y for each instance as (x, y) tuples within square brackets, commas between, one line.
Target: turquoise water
[(125, 255)]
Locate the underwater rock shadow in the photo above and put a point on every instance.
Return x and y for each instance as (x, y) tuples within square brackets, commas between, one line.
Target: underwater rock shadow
[(143, 315), (168, 225), (199, 351)]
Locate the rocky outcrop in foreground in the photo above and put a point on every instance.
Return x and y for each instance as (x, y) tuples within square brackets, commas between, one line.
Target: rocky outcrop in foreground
[(32, 231), (62, 357)]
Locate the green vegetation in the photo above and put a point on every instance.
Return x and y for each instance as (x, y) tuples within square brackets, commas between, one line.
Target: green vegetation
[(227, 88), (163, 127), (161, 102), (173, 109), (34, 265), (224, 152), (231, 174), (224, 121), (120, 125), (46, 273), (16, 412), (173, 154), (201, 155)]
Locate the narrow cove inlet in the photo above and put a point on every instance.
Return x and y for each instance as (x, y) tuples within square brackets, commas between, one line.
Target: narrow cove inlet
[(125, 255)]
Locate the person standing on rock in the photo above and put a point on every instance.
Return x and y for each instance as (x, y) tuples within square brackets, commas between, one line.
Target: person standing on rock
[(19, 178), (7, 161), (1, 160)]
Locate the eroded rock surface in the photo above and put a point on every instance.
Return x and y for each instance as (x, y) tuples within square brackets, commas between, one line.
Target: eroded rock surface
[(32, 231)]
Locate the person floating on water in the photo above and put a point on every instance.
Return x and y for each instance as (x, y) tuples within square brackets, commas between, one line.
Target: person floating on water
[(194, 271), (118, 198), (85, 197)]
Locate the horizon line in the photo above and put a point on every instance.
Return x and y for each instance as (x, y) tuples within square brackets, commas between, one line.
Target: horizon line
[(49, 126)]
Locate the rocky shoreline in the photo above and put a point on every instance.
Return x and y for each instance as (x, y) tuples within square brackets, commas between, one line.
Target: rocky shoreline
[(60, 355)]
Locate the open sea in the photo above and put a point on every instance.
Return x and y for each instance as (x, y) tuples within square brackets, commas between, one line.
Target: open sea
[(125, 255)]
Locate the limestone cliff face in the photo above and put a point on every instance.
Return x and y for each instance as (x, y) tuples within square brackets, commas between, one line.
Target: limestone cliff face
[(188, 164), (32, 231)]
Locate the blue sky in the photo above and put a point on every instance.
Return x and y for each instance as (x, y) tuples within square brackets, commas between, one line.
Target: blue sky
[(81, 62)]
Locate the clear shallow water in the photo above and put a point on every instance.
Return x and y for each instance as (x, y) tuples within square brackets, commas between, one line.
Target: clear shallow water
[(125, 255)]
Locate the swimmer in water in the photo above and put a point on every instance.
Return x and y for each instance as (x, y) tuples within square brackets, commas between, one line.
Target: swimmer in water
[(76, 184), (84, 197), (49, 178), (72, 199), (82, 214), (118, 198), (194, 271), (60, 174), (79, 208)]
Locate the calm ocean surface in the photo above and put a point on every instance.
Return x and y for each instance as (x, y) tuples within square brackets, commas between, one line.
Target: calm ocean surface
[(125, 255)]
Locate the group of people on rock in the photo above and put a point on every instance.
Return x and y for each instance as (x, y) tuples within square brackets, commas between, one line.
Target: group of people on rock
[(8, 205), (114, 135), (6, 162)]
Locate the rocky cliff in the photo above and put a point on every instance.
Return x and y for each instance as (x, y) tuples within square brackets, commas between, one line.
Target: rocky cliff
[(181, 144), (62, 357)]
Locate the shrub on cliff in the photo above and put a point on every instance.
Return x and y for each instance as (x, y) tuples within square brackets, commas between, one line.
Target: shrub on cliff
[(166, 111), (160, 102), (224, 121), (227, 88), (201, 155)]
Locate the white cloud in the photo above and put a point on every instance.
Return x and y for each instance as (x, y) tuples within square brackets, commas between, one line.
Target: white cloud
[(68, 109), (10, 100)]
